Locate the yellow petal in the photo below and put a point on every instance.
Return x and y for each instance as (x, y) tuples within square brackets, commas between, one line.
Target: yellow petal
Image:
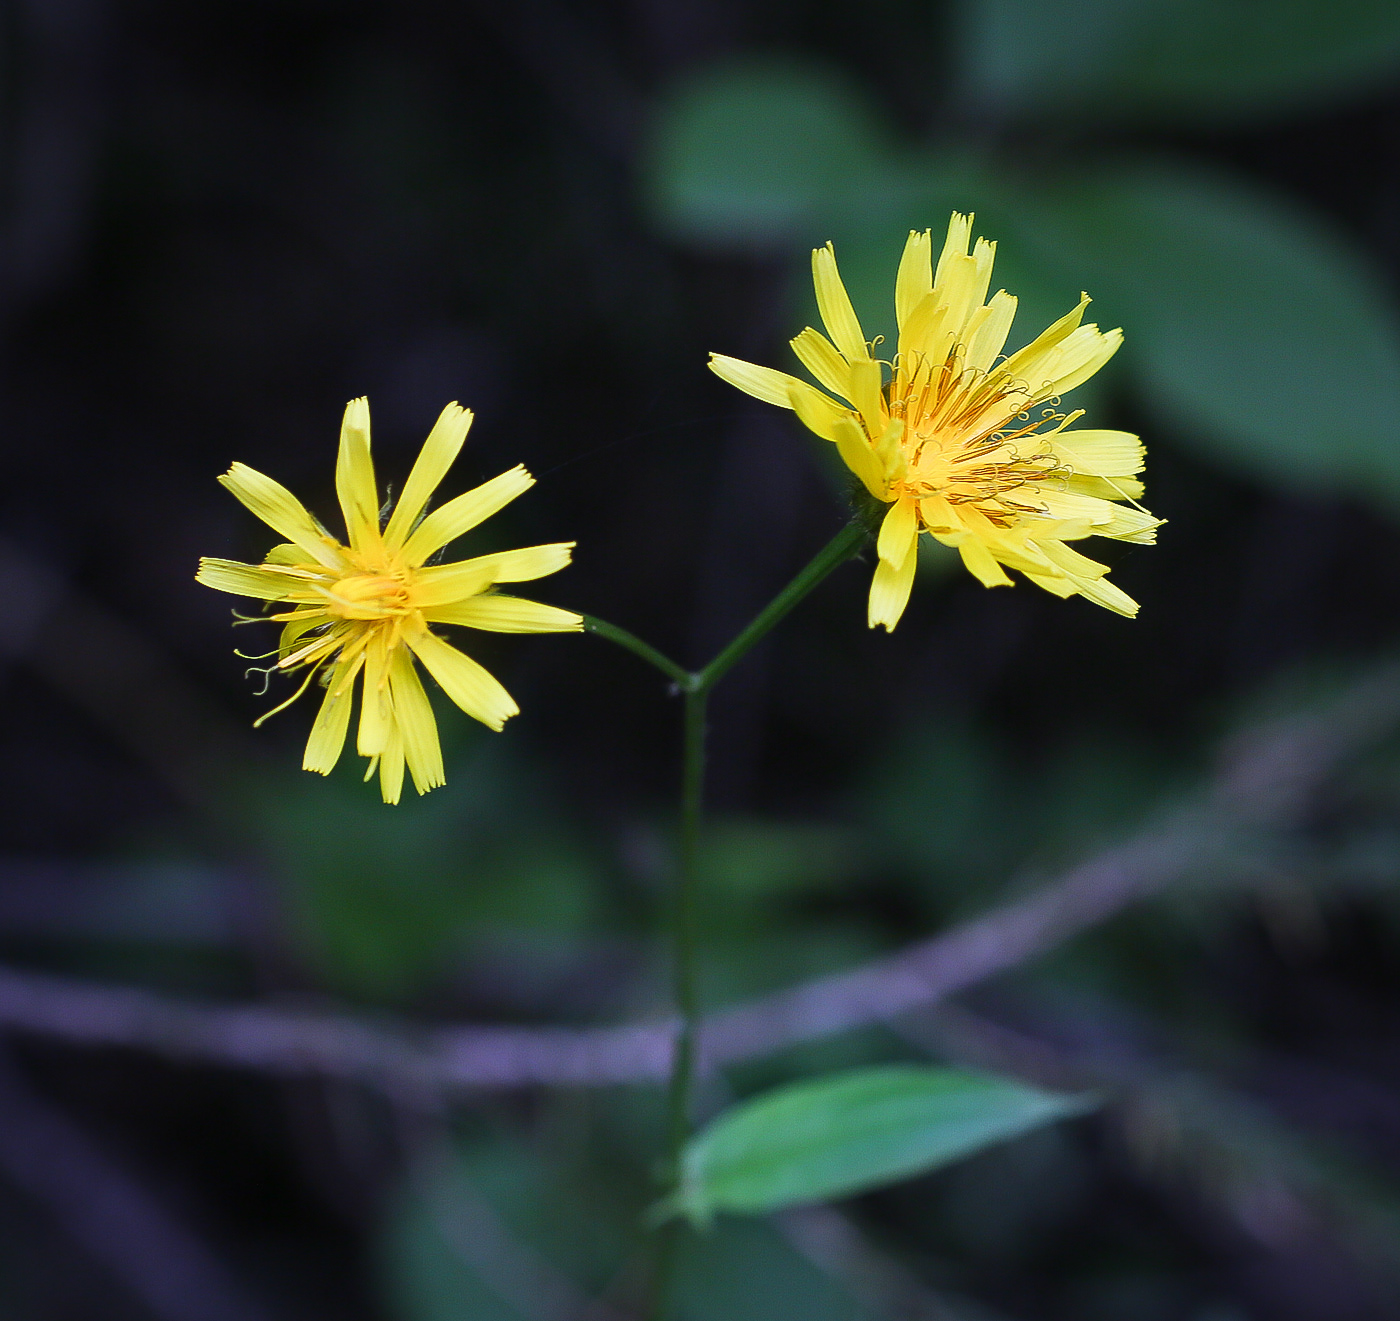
[(989, 337), (1028, 364), (834, 304), (857, 454), (1128, 524), (914, 281), (1053, 581), (957, 291), (246, 579), (761, 382), (413, 714), (439, 451), (1074, 361), (981, 563), (332, 722), (1071, 561), (472, 687), (442, 584), (519, 566), (899, 530), (507, 614), (1102, 592), (391, 769), (889, 592), (462, 514), (1106, 488), (281, 511), (354, 476), (938, 515), (954, 246), (1100, 453), (376, 716), (867, 395), (923, 339), (819, 413), (819, 356)]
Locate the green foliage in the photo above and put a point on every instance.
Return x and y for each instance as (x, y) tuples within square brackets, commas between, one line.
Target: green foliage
[(843, 1134), (384, 897), (753, 152), (1180, 59), (1264, 334), (501, 1229), (1257, 332)]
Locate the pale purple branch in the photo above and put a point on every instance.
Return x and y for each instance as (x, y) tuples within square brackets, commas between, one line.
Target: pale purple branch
[(1265, 782)]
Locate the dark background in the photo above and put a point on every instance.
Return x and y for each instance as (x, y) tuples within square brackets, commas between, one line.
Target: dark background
[(222, 221)]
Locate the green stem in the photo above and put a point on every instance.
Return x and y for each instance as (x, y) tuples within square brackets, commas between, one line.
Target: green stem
[(686, 911), (834, 554), (696, 689), (634, 644)]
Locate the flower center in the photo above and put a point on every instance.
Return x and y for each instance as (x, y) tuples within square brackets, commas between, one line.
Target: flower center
[(968, 439), (367, 596)]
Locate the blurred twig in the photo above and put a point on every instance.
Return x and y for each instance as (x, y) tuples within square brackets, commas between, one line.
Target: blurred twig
[(1265, 781)]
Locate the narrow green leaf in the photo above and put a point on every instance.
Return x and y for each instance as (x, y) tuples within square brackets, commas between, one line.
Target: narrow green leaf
[(1256, 326), (1186, 59), (846, 1133)]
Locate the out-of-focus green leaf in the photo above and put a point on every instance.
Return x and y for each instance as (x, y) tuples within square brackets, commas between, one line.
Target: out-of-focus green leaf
[(749, 153), (383, 897), (1253, 324), (501, 1229), (1193, 59), (746, 1271), (746, 862), (843, 1134), (493, 1231)]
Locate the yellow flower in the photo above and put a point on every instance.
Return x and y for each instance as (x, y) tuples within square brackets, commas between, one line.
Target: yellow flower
[(364, 609), (947, 435)]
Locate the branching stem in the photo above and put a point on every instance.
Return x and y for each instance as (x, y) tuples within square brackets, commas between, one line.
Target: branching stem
[(695, 688)]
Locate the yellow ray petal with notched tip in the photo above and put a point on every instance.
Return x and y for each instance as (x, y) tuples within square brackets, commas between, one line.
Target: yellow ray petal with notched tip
[(261, 581), (834, 304), (914, 280), (507, 614), (439, 452), (460, 515), (413, 714), (354, 477), (281, 511), (470, 685), (332, 723)]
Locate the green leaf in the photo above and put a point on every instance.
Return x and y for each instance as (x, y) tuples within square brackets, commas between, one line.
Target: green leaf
[(746, 1271), (749, 152), (1253, 324), (843, 1134), (1192, 59)]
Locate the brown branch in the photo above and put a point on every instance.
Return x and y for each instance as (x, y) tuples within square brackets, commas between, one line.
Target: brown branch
[(1265, 781)]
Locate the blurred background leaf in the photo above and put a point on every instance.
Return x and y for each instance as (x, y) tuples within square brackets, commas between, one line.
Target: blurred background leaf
[(1194, 60), (1265, 336)]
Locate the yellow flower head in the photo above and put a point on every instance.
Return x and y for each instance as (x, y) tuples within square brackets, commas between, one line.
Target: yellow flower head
[(960, 442), (366, 608)]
